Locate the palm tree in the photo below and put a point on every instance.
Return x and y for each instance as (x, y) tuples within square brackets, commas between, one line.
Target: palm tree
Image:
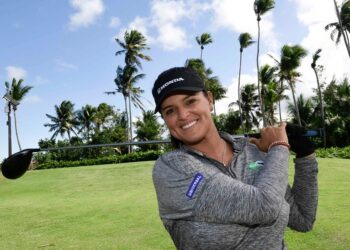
[(315, 57), (104, 114), (125, 82), (86, 118), (203, 40), (147, 129), (64, 122), (211, 83), (132, 46), (342, 27), (260, 8), (16, 92), (337, 106), (290, 60), (250, 105), (245, 40), (271, 91), (305, 110)]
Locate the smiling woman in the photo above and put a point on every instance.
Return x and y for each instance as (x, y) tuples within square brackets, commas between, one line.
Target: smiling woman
[(219, 192)]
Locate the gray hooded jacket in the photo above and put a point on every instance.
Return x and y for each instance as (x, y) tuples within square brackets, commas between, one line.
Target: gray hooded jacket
[(247, 205)]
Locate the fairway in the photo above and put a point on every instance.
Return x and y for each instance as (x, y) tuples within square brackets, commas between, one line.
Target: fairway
[(114, 207)]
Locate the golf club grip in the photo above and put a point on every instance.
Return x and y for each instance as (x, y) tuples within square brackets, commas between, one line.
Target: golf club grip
[(308, 133)]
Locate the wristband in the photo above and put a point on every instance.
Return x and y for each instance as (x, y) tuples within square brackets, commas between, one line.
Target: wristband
[(282, 143)]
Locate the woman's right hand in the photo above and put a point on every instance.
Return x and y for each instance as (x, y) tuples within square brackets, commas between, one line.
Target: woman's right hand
[(270, 135)]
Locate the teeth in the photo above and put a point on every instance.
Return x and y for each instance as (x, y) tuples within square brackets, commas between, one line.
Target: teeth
[(189, 125)]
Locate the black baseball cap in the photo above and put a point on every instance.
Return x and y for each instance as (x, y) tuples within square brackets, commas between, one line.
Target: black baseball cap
[(174, 80)]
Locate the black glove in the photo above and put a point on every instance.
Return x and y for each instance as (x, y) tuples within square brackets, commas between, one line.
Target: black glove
[(299, 144)]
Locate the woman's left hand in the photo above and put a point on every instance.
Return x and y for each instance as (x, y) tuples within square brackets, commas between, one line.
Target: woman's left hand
[(270, 135)]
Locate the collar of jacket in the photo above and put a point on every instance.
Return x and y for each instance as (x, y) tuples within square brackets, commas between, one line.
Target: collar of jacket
[(237, 143)]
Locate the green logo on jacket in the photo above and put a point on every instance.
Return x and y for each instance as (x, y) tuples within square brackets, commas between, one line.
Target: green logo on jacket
[(255, 165)]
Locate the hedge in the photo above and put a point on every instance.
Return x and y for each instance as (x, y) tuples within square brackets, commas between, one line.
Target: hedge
[(332, 152), (132, 157)]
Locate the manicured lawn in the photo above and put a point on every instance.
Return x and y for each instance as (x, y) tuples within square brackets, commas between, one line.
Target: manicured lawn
[(115, 207)]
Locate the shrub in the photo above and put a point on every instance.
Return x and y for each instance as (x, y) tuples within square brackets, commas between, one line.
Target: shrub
[(151, 155), (334, 152), (132, 157)]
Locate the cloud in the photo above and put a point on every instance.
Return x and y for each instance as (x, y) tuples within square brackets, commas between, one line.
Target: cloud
[(39, 80), (32, 99), (166, 17), (165, 22), (140, 24), (172, 37), (62, 65), (240, 17), (315, 15), (15, 72), (115, 22), (88, 12), (232, 93)]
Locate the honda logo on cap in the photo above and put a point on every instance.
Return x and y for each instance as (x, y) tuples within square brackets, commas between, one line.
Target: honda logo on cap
[(180, 79)]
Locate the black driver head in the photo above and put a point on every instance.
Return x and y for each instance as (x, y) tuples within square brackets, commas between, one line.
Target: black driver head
[(17, 164)]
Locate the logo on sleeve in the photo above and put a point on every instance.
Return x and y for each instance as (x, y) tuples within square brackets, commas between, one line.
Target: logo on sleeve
[(195, 182)]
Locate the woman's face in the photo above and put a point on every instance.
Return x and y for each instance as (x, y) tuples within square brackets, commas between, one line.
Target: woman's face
[(188, 117)]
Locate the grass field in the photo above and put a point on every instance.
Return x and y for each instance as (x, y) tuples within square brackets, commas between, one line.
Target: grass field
[(115, 207)]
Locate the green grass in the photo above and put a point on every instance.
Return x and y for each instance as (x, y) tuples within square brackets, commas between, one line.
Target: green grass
[(115, 207)]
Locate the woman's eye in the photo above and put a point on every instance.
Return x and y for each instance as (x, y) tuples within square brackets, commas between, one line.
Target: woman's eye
[(169, 111), (191, 101)]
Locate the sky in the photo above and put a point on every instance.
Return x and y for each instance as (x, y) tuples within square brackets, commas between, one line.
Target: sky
[(66, 49)]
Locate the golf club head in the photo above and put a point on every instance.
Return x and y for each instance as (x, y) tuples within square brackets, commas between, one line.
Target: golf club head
[(17, 164)]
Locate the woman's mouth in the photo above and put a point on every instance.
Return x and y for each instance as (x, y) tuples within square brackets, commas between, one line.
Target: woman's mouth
[(189, 125)]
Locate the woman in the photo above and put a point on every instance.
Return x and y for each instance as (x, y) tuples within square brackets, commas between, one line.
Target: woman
[(219, 192)]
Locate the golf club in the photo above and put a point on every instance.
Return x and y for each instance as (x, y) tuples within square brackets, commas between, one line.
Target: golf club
[(17, 164)]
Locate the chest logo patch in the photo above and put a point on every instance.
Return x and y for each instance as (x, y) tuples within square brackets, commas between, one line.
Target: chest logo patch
[(255, 165), (194, 184)]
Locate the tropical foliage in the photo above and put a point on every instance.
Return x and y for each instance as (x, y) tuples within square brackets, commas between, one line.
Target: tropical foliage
[(64, 121), (147, 129), (257, 103), (245, 40), (204, 40), (132, 47), (260, 8), (211, 83), (341, 28), (16, 91)]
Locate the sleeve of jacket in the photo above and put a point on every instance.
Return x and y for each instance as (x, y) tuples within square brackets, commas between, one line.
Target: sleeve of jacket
[(216, 197), (303, 196)]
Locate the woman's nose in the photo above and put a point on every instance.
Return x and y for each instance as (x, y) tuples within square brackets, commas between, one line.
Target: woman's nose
[(182, 113)]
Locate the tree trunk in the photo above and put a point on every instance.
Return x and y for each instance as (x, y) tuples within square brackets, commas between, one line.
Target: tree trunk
[(127, 119), (295, 103), (130, 123), (16, 129), (239, 90), (321, 106), (345, 37), (69, 136), (9, 129), (279, 104), (258, 73)]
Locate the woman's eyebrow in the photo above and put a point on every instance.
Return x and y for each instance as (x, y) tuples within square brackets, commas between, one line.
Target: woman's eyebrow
[(183, 99)]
